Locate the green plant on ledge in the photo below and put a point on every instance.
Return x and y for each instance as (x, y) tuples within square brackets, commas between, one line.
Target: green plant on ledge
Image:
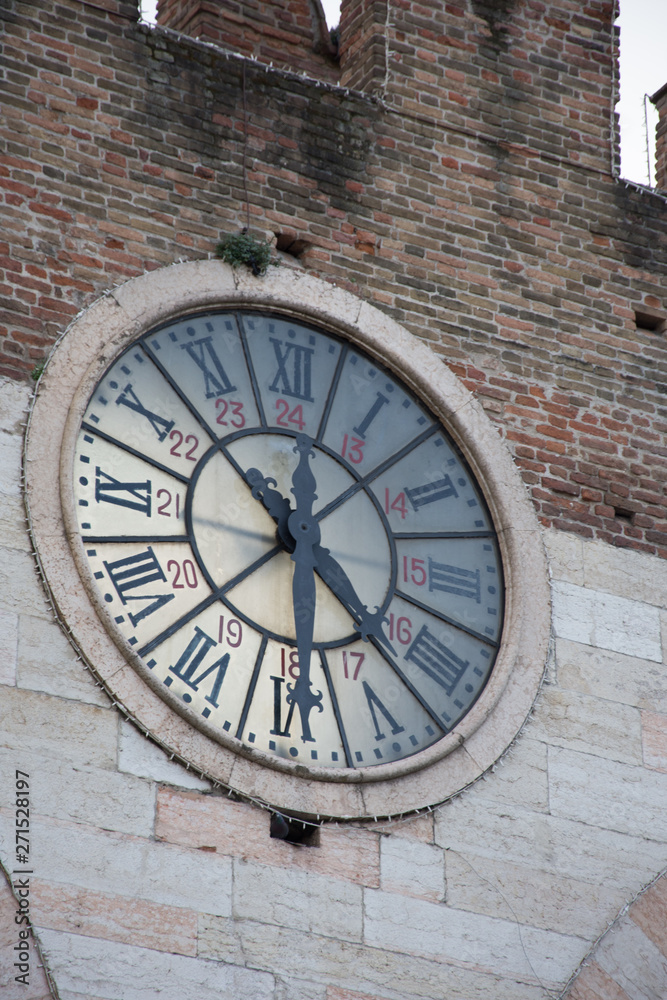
[(35, 374), (244, 248)]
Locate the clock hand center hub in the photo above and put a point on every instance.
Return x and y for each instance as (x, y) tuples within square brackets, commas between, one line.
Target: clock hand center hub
[(294, 526)]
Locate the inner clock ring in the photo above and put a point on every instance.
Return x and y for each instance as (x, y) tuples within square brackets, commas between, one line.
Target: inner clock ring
[(245, 554)]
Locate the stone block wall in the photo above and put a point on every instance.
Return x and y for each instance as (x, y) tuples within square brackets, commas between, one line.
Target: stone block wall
[(469, 191), (633, 951), (144, 874), (487, 219)]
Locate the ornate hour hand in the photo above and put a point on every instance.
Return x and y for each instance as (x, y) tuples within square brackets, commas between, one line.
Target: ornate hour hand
[(273, 502), (305, 531)]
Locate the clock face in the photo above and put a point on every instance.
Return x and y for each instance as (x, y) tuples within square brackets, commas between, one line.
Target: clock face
[(289, 541)]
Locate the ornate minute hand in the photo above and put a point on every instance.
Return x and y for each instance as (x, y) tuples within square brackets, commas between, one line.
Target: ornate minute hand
[(305, 531)]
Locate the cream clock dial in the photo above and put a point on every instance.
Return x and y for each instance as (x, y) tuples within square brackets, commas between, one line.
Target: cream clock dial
[(289, 541)]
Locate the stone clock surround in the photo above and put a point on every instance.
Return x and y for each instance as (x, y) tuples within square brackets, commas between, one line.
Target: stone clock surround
[(94, 339)]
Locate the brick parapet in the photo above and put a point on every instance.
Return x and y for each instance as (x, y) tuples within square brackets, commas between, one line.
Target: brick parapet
[(659, 99), (364, 41), (529, 74), (290, 34), (509, 247)]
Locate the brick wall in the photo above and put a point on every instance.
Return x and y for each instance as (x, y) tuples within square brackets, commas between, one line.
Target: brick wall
[(472, 198)]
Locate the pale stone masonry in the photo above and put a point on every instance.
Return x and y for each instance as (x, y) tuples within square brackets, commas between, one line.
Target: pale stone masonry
[(142, 874), (456, 169)]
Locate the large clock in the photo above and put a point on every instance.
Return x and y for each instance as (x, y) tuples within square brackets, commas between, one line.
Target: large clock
[(290, 545), (289, 539)]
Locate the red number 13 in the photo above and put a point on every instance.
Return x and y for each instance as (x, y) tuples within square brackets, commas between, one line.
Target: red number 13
[(353, 448)]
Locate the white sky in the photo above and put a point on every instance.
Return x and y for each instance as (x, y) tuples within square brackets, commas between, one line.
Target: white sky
[(643, 71)]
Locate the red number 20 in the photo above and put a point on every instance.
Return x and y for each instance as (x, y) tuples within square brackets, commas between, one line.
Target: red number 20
[(189, 574)]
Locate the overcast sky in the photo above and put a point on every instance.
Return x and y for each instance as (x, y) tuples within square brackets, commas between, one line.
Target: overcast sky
[(643, 71)]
